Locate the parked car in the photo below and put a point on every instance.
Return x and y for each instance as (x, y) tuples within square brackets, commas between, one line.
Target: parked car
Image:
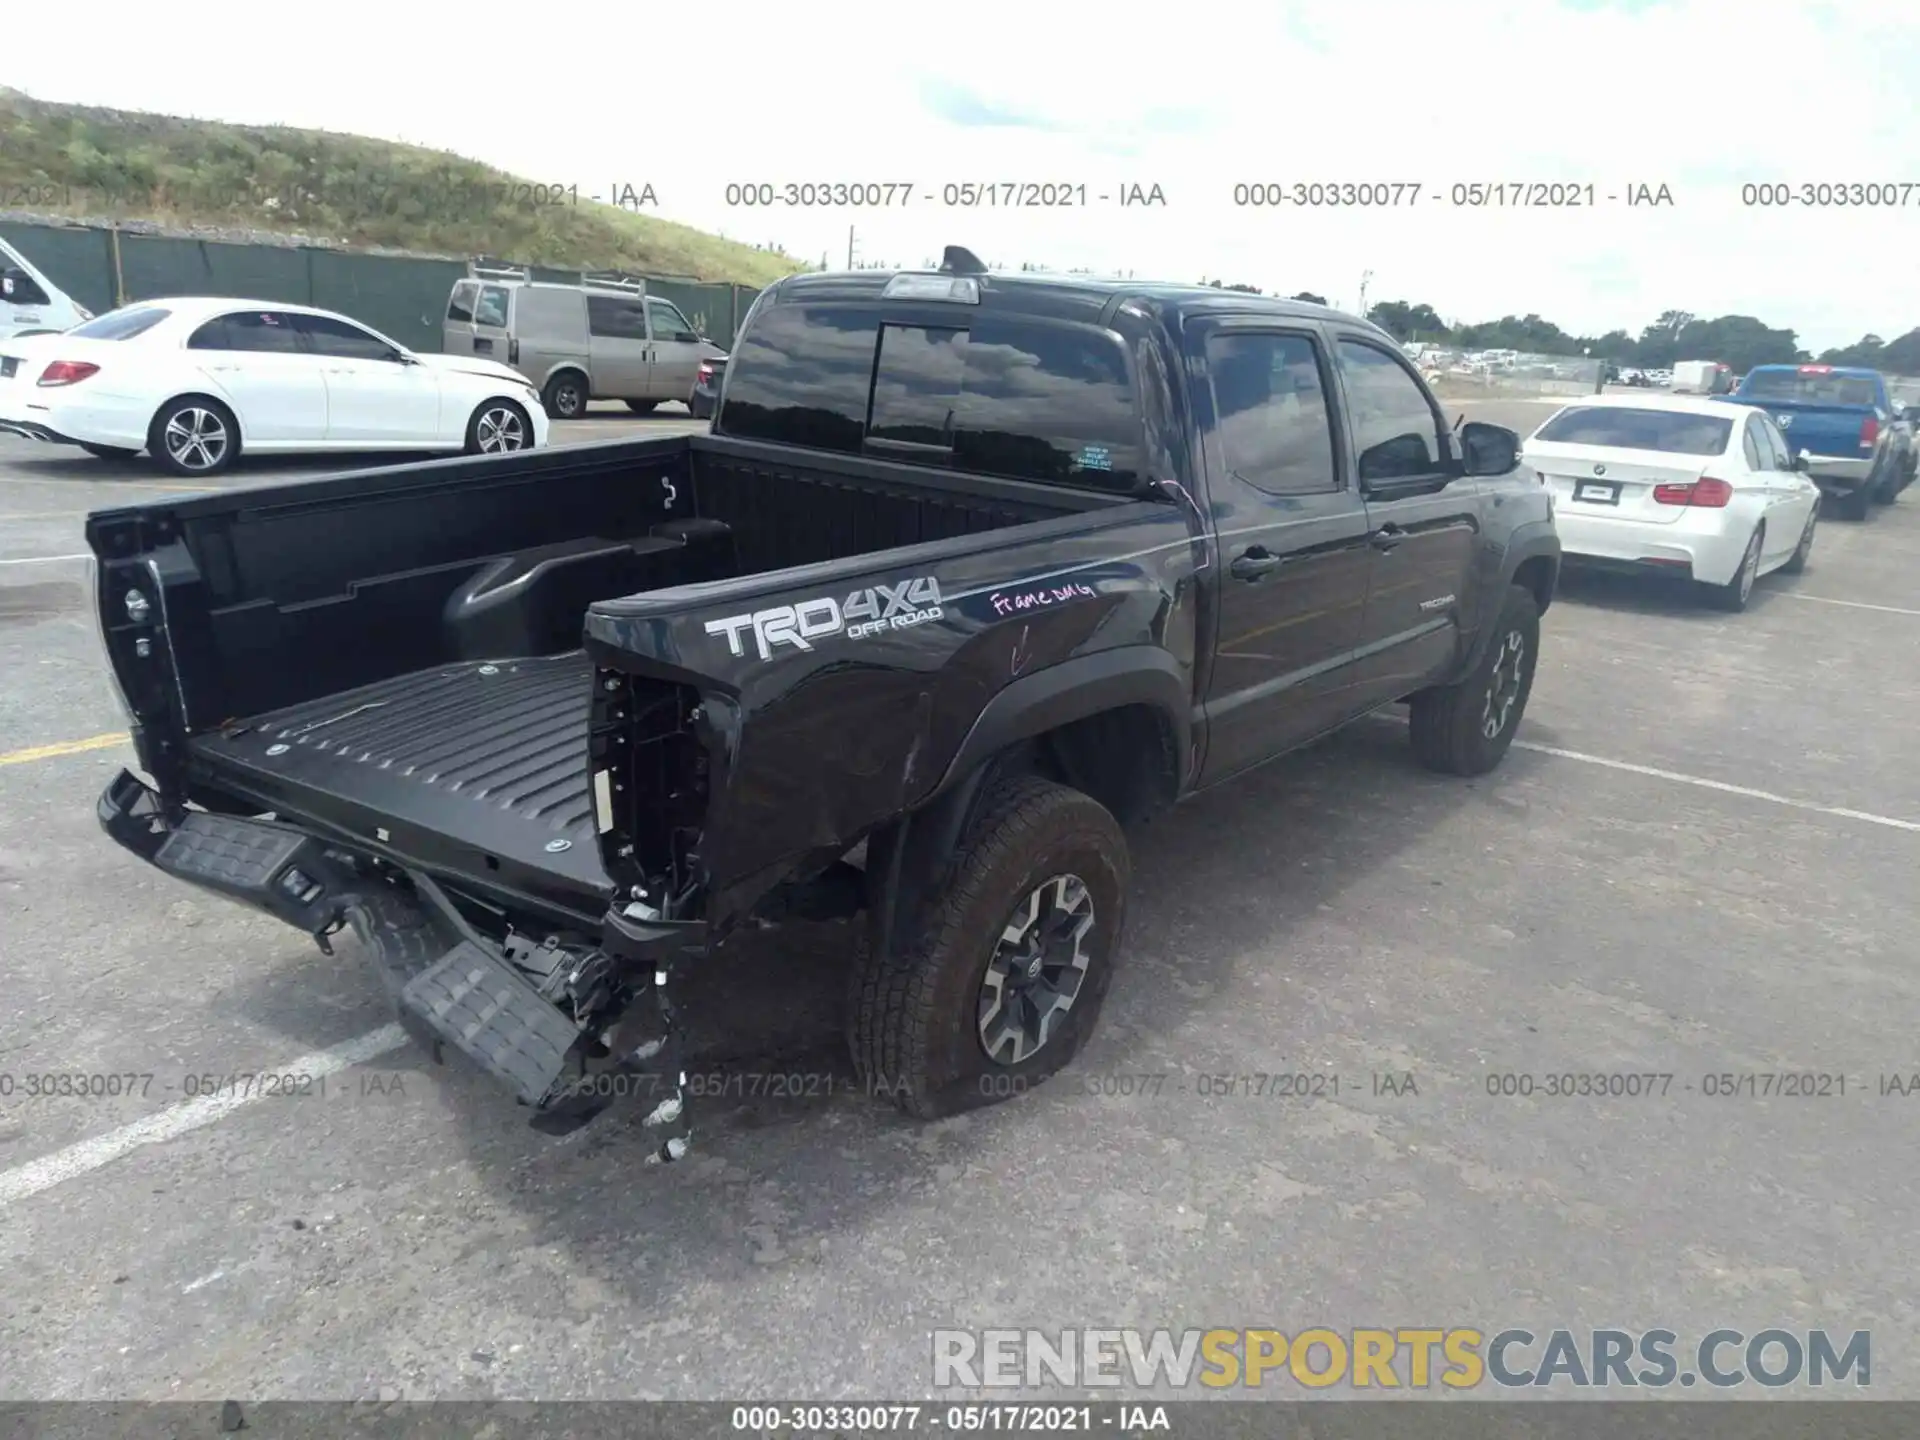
[(1859, 450), (896, 640), (196, 381), (706, 388), (30, 302), (604, 339), (1676, 485)]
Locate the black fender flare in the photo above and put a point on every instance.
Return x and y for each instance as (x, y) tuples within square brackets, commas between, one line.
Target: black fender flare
[(908, 860), (1527, 542)]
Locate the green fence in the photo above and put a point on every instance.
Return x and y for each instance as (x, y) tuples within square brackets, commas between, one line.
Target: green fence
[(404, 296)]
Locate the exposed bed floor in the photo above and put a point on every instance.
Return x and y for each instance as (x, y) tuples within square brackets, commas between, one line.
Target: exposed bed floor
[(492, 754)]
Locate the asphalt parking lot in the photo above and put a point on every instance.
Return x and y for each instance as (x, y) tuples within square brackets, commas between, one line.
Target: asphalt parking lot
[(1698, 861)]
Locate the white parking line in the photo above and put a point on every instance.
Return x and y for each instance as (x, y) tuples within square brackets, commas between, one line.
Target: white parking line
[(1850, 604), (87, 1155), (1674, 775), (44, 559)]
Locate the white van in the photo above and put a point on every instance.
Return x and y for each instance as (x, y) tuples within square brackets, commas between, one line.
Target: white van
[(29, 301), (602, 339)]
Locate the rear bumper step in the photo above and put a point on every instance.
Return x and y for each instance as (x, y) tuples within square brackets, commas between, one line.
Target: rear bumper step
[(450, 985)]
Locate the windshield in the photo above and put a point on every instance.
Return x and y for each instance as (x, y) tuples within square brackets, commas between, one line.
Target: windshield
[(1799, 387), (121, 324), (1676, 432)]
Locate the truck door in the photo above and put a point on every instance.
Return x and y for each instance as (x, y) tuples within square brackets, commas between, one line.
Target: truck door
[(1423, 518), (1292, 537)]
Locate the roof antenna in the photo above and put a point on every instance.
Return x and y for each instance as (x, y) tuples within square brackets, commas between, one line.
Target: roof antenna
[(958, 260)]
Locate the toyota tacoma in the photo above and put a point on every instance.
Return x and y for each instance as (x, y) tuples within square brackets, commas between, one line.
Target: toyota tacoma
[(973, 572)]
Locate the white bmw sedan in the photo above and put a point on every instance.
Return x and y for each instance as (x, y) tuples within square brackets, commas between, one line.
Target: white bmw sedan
[(1669, 483), (196, 382)]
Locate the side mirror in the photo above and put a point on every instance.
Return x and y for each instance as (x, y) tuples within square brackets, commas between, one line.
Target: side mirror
[(1488, 449), (8, 279), (1802, 463)]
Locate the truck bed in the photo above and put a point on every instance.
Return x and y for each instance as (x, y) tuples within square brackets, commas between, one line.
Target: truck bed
[(486, 755)]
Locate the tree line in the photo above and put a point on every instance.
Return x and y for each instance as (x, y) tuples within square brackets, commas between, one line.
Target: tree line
[(1738, 341)]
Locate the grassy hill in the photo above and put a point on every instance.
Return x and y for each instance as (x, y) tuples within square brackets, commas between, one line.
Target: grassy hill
[(89, 163)]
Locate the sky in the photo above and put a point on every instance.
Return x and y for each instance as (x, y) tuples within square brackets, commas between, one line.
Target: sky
[(1699, 96)]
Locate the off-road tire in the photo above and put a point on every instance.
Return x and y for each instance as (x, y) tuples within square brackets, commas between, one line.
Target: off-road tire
[(566, 396), (913, 1020), (1445, 721)]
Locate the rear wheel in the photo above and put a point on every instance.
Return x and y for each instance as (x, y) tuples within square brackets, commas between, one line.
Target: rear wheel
[(642, 407), (1466, 728), (1733, 595), (193, 436), (498, 427), (1005, 982), (108, 452), (566, 395)]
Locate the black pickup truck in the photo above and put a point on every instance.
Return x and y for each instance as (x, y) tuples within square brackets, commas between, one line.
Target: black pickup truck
[(973, 571)]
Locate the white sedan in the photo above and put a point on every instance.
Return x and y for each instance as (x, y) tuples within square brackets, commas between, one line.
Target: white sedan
[(195, 382), (1676, 484)]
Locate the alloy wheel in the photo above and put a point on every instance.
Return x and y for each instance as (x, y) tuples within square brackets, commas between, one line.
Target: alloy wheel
[(196, 438), (500, 429), (1037, 969), (1503, 686)]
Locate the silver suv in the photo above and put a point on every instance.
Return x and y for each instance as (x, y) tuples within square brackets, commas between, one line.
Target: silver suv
[(602, 339)]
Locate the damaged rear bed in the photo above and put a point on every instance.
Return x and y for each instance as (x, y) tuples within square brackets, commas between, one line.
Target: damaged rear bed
[(475, 769)]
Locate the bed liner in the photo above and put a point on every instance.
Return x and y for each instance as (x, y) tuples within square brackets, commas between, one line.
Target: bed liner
[(487, 754)]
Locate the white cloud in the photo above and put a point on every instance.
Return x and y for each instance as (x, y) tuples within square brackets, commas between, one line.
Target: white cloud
[(1700, 95)]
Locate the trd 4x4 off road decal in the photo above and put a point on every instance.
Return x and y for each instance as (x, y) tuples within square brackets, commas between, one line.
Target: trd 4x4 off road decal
[(863, 613)]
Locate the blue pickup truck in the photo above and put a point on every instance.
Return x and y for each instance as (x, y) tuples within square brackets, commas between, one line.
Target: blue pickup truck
[(1859, 445)]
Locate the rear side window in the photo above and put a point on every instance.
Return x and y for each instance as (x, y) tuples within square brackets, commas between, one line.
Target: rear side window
[(1674, 432), (616, 319), (460, 307), (491, 306), (1271, 402), (267, 331), (121, 324), (1004, 396)]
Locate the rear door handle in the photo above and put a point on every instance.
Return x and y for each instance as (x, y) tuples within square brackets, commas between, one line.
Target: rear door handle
[(1387, 537), (1255, 564)]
